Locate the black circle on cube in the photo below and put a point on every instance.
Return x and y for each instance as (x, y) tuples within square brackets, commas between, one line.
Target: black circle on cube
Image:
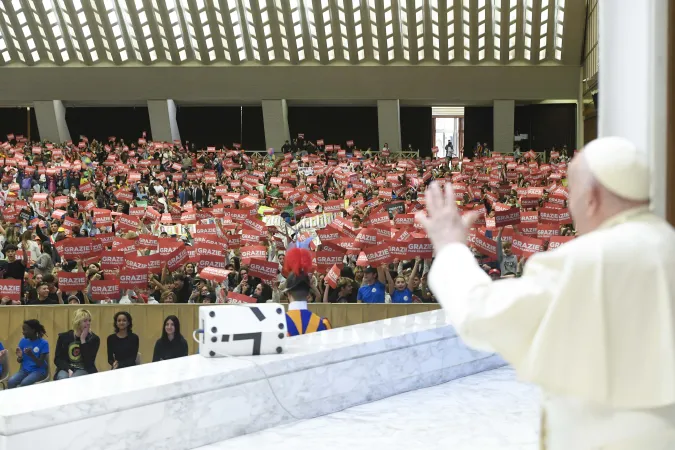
[(279, 310), (212, 353), (212, 314), (281, 326), (281, 335), (214, 330), (214, 339), (279, 349)]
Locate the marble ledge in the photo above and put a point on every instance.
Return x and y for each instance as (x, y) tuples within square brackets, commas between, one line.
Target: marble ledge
[(318, 374)]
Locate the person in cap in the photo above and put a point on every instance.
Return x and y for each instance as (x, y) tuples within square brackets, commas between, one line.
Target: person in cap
[(373, 288), (299, 319), (591, 322)]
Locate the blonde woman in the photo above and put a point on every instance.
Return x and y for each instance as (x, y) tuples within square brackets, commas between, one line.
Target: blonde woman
[(76, 349)]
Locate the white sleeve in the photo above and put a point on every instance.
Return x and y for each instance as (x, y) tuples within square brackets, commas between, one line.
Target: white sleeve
[(501, 316)]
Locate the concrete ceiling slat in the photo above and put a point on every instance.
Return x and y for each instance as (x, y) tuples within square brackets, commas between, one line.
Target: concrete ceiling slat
[(36, 24), (276, 26), (195, 47), (95, 31), (536, 33), (20, 53), (229, 30)]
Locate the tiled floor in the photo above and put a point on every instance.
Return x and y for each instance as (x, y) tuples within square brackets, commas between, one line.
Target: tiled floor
[(487, 411)]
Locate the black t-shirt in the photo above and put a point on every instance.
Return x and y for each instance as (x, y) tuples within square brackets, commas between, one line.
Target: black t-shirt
[(183, 294), (52, 299), (15, 270)]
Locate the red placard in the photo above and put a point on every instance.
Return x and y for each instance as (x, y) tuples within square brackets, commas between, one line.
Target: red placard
[(102, 218), (108, 289), (124, 245), (421, 247), (404, 219), (251, 236), (135, 262), (255, 224), (330, 234), (378, 254), (333, 206), (10, 288), (545, 231), (254, 252), (367, 237), (177, 258), (72, 281), (327, 259), (265, 270), (526, 246), (333, 276), (233, 297), (379, 218), (127, 223), (112, 260), (214, 274), (557, 241), (106, 239), (79, 248), (147, 242), (133, 279), (508, 217), (484, 245)]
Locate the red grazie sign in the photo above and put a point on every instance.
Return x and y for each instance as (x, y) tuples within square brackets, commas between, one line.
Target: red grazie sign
[(10, 288)]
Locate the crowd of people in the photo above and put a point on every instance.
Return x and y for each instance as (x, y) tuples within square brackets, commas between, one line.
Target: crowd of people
[(152, 222)]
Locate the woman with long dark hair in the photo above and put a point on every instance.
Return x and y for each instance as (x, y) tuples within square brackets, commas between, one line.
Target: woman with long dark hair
[(172, 344), (32, 354), (123, 344)]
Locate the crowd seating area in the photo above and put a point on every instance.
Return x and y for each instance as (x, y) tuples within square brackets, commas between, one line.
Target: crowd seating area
[(153, 222)]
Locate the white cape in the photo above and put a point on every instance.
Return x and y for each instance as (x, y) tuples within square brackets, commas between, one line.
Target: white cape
[(592, 320)]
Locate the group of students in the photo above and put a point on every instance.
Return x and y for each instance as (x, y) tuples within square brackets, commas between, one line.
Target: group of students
[(76, 349)]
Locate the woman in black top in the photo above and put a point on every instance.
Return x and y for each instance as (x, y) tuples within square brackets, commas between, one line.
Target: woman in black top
[(172, 344), (123, 345)]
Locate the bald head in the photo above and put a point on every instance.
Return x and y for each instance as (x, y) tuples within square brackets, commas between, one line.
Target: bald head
[(603, 183)]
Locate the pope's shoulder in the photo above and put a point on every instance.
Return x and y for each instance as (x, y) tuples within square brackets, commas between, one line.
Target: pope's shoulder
[(649, 236)]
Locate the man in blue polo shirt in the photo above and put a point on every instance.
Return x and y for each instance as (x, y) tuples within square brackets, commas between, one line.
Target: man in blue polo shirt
[(373, 288)]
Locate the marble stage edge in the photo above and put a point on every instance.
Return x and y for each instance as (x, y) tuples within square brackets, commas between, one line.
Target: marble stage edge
[(194, 401), (490, 410)]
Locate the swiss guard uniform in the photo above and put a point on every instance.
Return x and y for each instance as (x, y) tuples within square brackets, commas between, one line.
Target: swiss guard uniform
[(299, 319)]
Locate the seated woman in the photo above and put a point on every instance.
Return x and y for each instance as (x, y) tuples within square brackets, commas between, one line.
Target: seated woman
[(172, 344), (76, 349), (32, 354), (123, 344)]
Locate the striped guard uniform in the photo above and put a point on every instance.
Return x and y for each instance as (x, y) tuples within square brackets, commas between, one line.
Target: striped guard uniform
[(304, 321)]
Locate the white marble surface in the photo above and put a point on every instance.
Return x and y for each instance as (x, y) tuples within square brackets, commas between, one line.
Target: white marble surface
[(188, 402), (487, 411)]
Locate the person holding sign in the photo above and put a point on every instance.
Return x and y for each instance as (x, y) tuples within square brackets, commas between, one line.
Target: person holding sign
[(373, 288), (15, 268), (507, 261), (577, 323), (299, 319)]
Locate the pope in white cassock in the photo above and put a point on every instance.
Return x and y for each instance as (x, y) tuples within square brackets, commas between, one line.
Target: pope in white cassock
[(592, 322)]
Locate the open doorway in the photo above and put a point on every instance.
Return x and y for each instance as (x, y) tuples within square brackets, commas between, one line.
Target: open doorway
[(448, 130)]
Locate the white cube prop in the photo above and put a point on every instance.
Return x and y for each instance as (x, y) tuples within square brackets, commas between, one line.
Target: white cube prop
[(241, 330)]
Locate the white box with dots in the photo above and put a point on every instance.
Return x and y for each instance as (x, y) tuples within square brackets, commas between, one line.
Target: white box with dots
[(241, 330)]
